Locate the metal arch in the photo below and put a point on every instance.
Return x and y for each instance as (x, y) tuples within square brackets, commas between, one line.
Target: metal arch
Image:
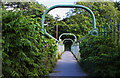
[(67, 34), (64, 6), (68, 39)]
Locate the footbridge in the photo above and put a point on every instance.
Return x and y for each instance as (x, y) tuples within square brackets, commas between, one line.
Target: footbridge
[(68, 64)]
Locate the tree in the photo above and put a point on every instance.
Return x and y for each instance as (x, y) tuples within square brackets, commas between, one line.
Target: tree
[(24, 50), (117, 4), (79, 21), (33, 10)]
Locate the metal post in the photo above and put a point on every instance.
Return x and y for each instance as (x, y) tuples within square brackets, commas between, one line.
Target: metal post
[(101, 30), (107, 30), (104, 31), (114, 32), (118, 34), (110, 29)]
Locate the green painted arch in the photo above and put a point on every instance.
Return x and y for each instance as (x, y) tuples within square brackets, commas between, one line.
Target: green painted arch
[(65, 6), (68, 39), (67, 34)]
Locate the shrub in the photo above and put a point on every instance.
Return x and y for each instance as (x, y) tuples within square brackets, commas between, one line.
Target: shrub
[(100, 57), (24, 50)]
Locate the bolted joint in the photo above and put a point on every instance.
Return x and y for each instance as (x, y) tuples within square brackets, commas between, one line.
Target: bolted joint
[(43, 30), (75, 40), (94, 32), (60, 40)]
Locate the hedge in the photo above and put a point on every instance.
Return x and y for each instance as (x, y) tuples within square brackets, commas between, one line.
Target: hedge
[(25, 52), (100, 57)]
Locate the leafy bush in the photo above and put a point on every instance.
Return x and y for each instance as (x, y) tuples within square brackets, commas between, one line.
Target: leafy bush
[(25, 52), (100, 57)]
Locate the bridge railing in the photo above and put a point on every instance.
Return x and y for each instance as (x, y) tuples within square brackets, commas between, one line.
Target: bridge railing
[(60, 48), (75, 46), (75, 50)]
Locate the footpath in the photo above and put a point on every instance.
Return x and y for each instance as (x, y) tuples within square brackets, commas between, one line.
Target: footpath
[(68, 66)]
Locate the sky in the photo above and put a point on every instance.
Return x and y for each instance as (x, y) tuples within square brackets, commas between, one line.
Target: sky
[(61, 12)]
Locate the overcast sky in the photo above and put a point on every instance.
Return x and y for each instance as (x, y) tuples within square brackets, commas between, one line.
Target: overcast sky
[(59, 11)]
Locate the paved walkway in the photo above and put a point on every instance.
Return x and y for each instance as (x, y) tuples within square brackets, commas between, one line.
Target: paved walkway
[(67, 66)]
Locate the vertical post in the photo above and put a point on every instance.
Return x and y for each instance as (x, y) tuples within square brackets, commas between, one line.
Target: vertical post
[(56, 18), (101, 30), (107, 30), (104, 31), (110, 29), (114, 32), (118, 34), (98, 29)]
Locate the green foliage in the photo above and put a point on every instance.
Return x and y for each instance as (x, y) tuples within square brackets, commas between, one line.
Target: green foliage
[(27, 53), (59, 56), (24, 50), (100, 57), (79, 21), (105, 12), (34, 10), (117, 5)]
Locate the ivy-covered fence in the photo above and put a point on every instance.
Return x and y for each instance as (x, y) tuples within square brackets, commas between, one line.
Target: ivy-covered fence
[(110, 31), (100, 56)]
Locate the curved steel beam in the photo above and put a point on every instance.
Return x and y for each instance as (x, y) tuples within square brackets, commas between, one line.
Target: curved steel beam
[(68, 39), (67, 34), (64, 6)]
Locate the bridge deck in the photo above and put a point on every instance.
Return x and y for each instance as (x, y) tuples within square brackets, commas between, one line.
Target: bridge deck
[(68, 66)]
